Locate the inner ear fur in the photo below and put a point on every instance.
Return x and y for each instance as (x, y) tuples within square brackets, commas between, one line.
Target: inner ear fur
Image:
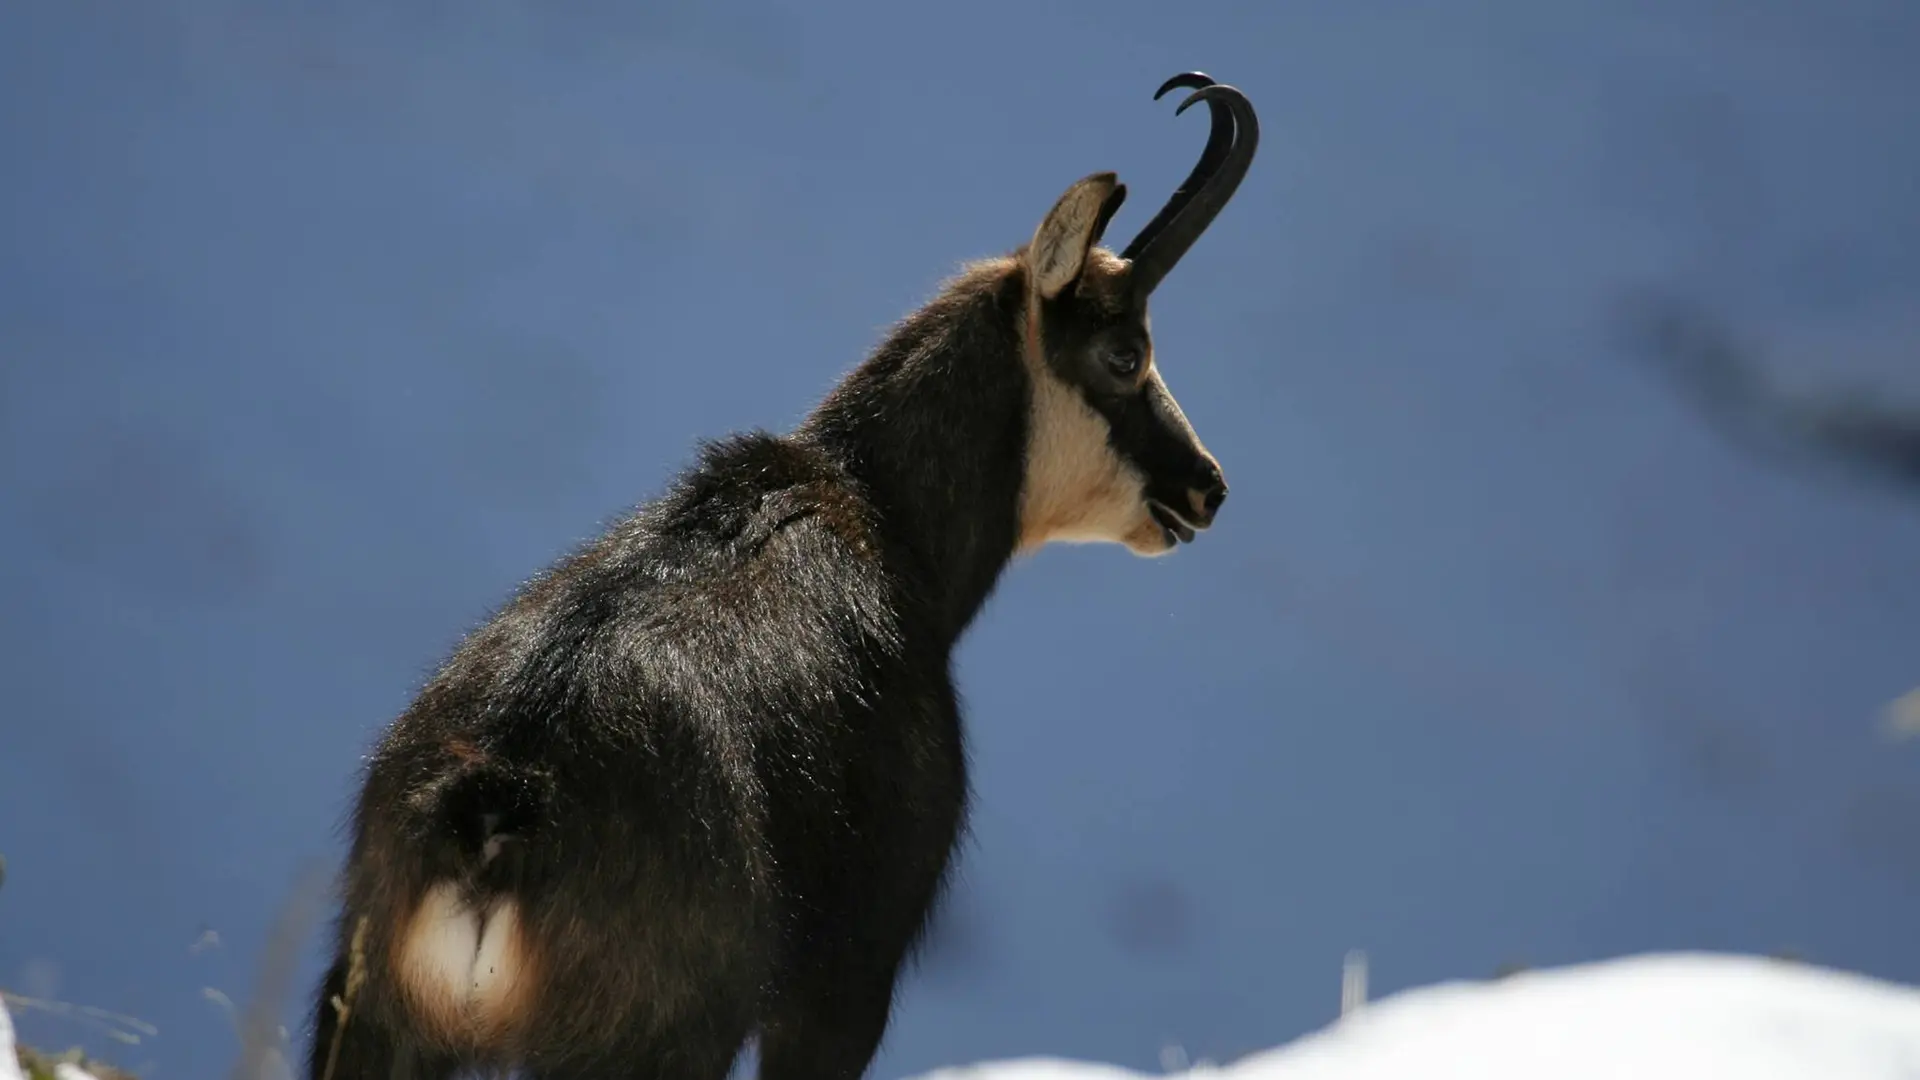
[(1057, 255)]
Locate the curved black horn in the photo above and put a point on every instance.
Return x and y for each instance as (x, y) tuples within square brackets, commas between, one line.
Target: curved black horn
[(1218, 141), (1163, 249)]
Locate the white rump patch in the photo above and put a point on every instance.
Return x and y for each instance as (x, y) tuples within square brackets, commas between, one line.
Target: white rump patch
[(467, 970)]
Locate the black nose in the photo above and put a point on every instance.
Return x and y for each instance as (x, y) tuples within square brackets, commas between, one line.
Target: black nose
[(1209, 490)]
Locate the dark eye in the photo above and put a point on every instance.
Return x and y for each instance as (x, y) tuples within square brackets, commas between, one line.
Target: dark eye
[(1124, 362)]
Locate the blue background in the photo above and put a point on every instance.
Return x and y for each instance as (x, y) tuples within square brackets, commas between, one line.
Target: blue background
[(322, 326)]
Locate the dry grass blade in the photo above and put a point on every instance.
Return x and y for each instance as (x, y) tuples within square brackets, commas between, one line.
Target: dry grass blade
[(259, 1024), (343, 1003), (116, 1026)]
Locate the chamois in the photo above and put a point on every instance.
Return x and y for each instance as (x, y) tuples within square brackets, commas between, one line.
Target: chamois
[(700, 781)]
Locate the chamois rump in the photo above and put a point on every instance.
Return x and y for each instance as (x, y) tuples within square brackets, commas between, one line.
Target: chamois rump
[(700, 781)]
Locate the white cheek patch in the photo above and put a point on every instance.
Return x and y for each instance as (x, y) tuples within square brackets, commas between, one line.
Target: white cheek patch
[(1077, 489), (467, 972)]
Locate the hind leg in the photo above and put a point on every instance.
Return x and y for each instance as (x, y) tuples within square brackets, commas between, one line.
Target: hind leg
[(829, 1027), (706, 1062), (829, 1010), (699, 1047), (362, 1048)]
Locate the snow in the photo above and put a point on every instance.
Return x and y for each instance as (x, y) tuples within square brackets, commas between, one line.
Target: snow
[(1654, 1017), (9, 1059)]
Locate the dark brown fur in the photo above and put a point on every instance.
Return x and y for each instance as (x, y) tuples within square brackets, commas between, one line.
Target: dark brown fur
[(702, 780)]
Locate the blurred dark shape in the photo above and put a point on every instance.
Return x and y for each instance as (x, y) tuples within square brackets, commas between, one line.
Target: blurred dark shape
[(1724, 378), (148, 507), (1877, 821), (1150, 915), (1510, 968), (1718, 745)]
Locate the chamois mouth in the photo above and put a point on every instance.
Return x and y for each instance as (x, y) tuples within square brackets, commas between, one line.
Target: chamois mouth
[(1171, 523)]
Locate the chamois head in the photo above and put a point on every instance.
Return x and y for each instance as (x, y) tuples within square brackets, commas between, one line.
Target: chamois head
[(1110, 456)]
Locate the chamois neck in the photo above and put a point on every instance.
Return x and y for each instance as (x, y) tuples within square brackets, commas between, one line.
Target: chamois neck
[(934, 425)]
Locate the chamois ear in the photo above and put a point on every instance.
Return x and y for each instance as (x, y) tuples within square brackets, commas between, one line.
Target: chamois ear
[(1058, 252)]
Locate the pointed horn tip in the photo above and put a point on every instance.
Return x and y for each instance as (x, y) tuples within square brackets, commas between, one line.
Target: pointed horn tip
[(1208, 93), (1186, 80)]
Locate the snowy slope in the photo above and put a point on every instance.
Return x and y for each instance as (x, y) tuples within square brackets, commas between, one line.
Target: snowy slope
[(1657, 1017), (1673, 1017)]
